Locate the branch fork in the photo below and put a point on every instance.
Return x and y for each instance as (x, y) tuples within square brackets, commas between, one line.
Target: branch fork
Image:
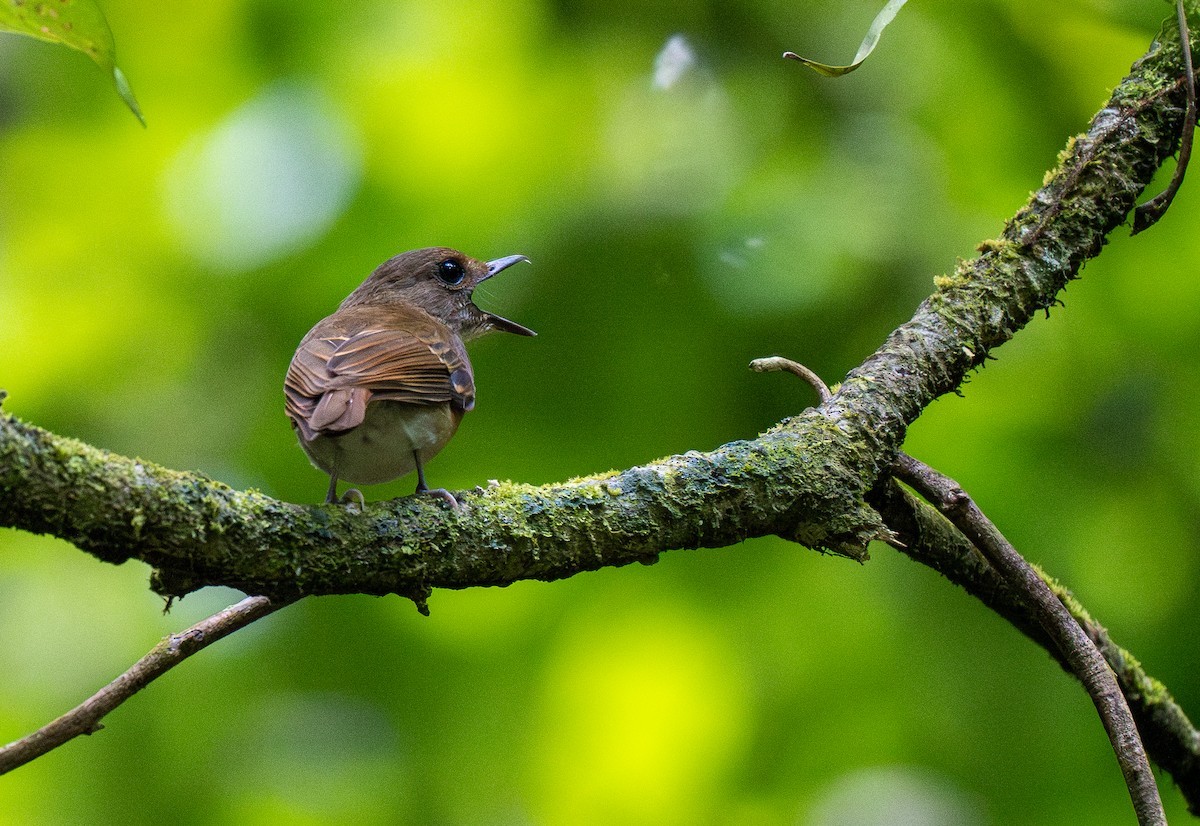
[(1075, 645)]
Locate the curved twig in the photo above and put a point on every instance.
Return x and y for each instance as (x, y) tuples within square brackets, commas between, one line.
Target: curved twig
[(1077, 648), (170, 651), (931, 540), (773, 364), (1148, 214)]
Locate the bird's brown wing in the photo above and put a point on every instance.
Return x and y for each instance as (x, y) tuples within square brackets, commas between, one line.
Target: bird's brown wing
[(333, 376)]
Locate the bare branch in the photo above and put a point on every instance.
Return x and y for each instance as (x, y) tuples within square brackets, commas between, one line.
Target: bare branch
[(772, 364), (85, 718), (1077, 648), (928, 538)]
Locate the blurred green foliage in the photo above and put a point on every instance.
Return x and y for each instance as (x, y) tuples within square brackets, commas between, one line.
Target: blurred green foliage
[(683, 217)]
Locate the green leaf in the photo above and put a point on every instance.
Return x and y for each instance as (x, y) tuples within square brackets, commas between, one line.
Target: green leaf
[(79, 24), (864, 50)]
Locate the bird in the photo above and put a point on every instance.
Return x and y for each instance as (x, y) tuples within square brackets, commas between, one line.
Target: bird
[(379, 387)]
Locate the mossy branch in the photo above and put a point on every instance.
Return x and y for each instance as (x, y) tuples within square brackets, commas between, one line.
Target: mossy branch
[(198, 532)]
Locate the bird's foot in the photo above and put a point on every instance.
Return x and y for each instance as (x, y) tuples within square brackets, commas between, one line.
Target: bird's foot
[(441, 493), (351, 496)]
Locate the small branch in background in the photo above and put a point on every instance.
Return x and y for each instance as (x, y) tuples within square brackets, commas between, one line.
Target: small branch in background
[(1080, 652), (774, 364), (1171, 740), (85, 718), (1147, 214)]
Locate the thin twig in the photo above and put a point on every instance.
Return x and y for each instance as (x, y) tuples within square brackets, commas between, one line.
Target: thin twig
[(170, 651), (1170, 738), (773, 364), (1078, 649), (1147, 214)]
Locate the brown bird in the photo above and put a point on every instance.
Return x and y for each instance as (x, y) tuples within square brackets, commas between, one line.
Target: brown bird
[(378, 388)]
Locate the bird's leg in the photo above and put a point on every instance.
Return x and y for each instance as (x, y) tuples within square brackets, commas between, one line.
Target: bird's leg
[(346, 498), (441, 493)]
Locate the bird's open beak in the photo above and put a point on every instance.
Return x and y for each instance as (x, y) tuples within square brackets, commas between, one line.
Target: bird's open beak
[(504, 263), (499, 322)]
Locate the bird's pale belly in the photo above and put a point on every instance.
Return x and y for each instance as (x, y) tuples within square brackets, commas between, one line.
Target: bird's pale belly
[(381, 448)]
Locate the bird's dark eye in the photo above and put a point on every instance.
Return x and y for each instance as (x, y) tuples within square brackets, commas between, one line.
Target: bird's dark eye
[(451, 272)]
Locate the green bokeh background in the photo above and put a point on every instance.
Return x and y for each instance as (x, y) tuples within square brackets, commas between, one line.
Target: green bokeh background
[(154, 283)]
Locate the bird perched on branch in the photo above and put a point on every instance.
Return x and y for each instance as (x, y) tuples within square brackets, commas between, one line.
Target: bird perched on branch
[(378, 388)]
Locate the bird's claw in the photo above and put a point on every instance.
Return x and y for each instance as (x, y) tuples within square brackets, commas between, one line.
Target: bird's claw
[(351, 495), (444, 494)]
